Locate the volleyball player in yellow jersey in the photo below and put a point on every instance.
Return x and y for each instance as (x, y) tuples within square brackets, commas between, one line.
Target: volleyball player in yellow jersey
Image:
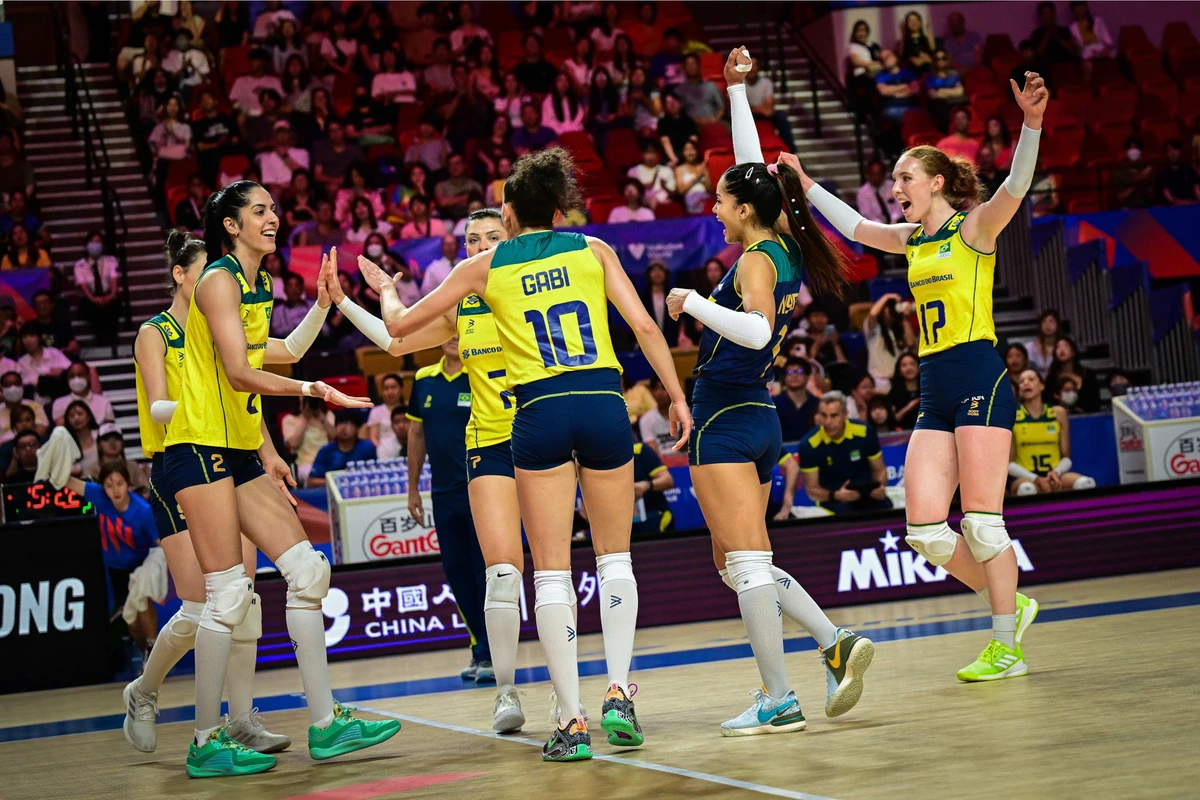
[(490, 478), (158, 367), (549, 295), (964, 427), (1041, 447), (212, 465)]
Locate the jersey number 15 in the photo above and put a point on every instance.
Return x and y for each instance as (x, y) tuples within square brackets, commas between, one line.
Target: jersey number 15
[(552, 343)]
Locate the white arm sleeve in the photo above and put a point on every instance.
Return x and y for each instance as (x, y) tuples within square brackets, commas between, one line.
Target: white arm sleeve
[(746, 148), (161, 411), (839, 214), (1024, 163), (747, 329), (299, 340), (371, 326), (1017, 471), (1064, 466)]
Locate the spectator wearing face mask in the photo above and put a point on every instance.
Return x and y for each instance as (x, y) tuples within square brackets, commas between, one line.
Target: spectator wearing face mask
[(13, 389), (79, 381), (97, 277)]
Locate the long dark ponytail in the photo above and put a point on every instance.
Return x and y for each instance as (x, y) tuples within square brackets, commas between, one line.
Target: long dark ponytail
[(224, 204), (774, 192)]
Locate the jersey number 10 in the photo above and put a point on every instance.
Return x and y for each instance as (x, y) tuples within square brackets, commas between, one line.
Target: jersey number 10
[(552, 344), (932, 307)]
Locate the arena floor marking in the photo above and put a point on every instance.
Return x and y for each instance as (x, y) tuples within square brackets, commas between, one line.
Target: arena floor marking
[(629, 762), (365, 791), (358, 694)]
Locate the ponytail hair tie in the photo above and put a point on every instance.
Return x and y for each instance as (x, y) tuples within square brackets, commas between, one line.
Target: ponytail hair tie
[(773, 170)]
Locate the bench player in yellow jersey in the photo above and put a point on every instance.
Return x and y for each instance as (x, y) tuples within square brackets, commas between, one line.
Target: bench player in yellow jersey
[(964, 427), (212, 465), (1041, 448), (491, 483), (549, 295)]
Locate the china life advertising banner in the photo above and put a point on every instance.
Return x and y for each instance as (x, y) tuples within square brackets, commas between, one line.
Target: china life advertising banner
[(406, 605)]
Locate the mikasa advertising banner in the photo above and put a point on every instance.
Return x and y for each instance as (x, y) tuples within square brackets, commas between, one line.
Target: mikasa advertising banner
[(405, 605)]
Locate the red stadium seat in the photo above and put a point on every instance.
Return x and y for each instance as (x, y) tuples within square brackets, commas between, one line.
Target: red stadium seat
[(1114, 134), (764, 127), (175, 196), (924, 137), (510, 48), (1068, 134), (1062, 75), (1155, 132), (669, 210), (236, 164), (1105, 71), (1146, 65), (621, 151), (997, 44), (380, 151), (599, 207), (1184, 62), (988, 104), (1013, 116), (578, 144), (1094, 151), (712, 66), (719, 159), (978, 79), (1002, 67), (408, 116), (1133, 39), (1075, 100), (1117, 101), (916, 120), (714, 134), (1084, 205), (1189, 109), (1158, 97), (1056, 156), (179, 172), (1177, 34), (352, 385), (235, 61)]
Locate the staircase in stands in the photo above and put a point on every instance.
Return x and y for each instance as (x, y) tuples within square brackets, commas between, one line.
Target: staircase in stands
[(70, 210)]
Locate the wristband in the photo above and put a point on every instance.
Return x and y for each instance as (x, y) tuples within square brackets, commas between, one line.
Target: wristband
[(306, 389)]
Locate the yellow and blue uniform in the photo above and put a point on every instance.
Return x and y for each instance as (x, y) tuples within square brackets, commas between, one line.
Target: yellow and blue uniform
[(168, 516), (846, 458), (443, 403), (657, 517), (489, 429), (547, 295), (1036, 440), (961, 372), (735, 417), (216, 430)]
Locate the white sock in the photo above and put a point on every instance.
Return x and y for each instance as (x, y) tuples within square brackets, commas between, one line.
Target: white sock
[(553, 597), (201, 735), (799, 606), (502, 615), (306, 627), (1004, 628), (618, 614), (174, 641), (212, 658), (762, 613)]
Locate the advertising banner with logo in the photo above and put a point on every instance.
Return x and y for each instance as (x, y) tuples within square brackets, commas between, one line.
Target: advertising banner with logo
[(53, 606), (377, 528), (406, 606), (1158, 450), (1131, 447)]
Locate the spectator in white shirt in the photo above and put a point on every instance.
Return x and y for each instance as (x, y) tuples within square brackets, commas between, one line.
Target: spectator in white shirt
[(79, 381), (656, 178), (277, 164), (633, 210), (655, 424), (439, 270), (875, 202), (244, 92), (561, 110), (186, 64), (42, 366), (579, 67), (760, 93), (395, 83), (171, 139), (467, 32), (338, 50), (96, 277), (267, 24)]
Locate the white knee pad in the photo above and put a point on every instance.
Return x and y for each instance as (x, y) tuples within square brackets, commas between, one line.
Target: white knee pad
[(552, 587), (986, 535), (307, 573), (614, 567), (724, 573), (180, 630), (935, 543), (1026, 488), (230, 594), (250, 630), (749, 569), (503, 588), (1084, 482)]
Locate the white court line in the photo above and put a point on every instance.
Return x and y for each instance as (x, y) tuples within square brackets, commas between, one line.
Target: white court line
[(683, 773)]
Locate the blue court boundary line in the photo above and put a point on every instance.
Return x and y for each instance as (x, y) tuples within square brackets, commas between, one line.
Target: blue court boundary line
[(397, 689)]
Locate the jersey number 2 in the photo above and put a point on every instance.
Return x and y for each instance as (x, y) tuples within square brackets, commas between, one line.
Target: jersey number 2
[(552, 344), (932, 307), (250, 409)]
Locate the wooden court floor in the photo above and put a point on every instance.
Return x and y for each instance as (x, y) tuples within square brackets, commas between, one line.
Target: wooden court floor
[(1109, 710)]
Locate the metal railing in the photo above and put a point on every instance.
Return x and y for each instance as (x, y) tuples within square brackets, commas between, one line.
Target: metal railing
[(85, 126)]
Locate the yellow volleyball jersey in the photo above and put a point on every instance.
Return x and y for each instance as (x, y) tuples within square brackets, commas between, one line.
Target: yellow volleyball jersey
[(952, 286), (153, 434), (546, 291), (210, 412), (1036, 440), (481, 353)]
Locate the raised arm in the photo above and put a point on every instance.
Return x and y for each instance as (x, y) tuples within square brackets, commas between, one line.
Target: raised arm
[(218, 297), (622, 295), (293, 348), (983, 225), (746, 147), (439, 331), (469, 277)]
